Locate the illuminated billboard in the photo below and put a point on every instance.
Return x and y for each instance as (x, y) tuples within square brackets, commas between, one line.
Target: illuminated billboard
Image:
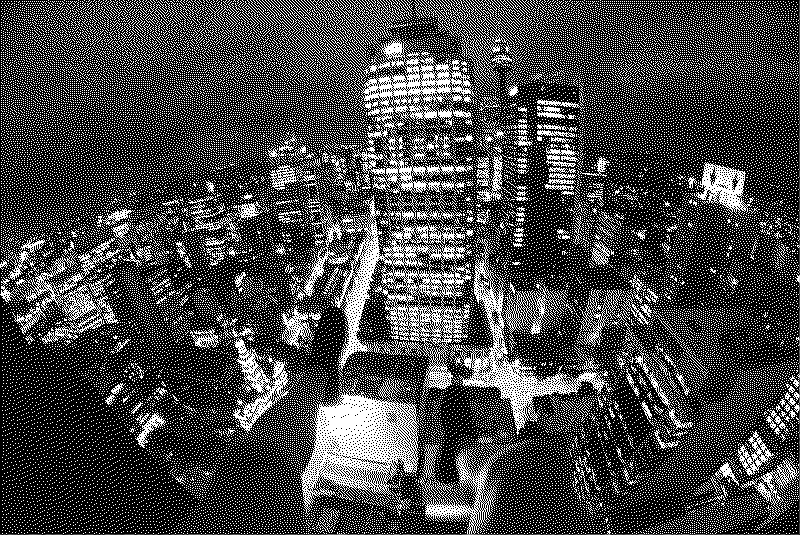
[(393, 49), (717, 177), (723, 184)]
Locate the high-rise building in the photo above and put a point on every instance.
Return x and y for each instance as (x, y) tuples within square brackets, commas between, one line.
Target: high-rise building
[(151, 235), (294, 179), (536, 215), (708, 227), (209, 223), (135, 305), (557, 123), (419, 102), (632, 219), (593, 175), (257, 236), (170, 284), (310, 172), (496, 171), (483, 184), (496, 117), (352, 168), (728, 254)]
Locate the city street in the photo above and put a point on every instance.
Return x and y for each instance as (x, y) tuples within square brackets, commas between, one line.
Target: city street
[(354, 305), (297, 326), (347, 418)]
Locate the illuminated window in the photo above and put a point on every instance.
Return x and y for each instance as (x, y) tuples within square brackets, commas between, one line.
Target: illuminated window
[(784, 415), (753, 454)]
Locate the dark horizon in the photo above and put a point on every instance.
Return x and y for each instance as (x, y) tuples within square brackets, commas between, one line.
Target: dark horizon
[(93, 107)]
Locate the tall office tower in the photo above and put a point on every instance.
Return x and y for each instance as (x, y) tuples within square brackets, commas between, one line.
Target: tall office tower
[(535, 214), (356, 202), (497, 117), (258, 238), (557, 122), (418, 96), (119, 221), (209, 224), (490, 121), (134, 304), (311, 171), (352, 168), (295, 181), (483, 184), (151, 236), (717, 257), (558, 127), (594, 176), (489, 158), (256, 219), (632, 219)]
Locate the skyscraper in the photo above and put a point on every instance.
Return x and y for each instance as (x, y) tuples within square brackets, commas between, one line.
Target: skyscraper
[(557, 121), (209, 224), (419, 102), (133, 302), (483, 186), (295, 181), (497, 117), (537, 217)]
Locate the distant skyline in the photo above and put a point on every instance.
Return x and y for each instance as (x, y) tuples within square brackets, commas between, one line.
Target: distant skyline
[(95, 93)]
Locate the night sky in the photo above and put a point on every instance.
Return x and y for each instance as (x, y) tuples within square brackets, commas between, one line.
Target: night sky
[(96, 98)]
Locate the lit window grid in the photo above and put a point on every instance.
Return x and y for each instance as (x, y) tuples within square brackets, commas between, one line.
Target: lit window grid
[(420, 322), (410, 95), (784, 415), (207, 213), (753, 454)]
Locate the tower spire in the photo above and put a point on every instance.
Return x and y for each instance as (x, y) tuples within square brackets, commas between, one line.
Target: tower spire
[(501, 64)]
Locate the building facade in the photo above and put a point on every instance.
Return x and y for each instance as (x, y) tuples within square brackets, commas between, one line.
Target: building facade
[(294, 178), (538, 163), (557, 123), (419, 103), (209, 226)]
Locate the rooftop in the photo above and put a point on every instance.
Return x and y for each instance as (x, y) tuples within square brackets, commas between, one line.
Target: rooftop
[(414, 27), (703, 333), (418, 35)]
